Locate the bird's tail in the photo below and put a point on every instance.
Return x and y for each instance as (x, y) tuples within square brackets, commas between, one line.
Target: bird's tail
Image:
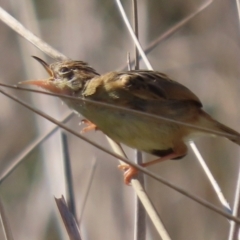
[(208, 122)]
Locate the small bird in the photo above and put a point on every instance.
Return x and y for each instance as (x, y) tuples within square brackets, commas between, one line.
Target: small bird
[(146, 91)]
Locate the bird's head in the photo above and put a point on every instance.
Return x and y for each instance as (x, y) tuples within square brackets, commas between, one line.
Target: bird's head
[(66, 77)]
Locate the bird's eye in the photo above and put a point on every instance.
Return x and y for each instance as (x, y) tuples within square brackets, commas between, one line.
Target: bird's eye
[(64, 70)]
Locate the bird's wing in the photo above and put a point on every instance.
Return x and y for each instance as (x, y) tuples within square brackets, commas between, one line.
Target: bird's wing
[(151, 85), (139, 84)]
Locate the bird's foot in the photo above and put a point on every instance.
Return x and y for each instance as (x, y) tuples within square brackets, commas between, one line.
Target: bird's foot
[(90, 126), (129, 172)]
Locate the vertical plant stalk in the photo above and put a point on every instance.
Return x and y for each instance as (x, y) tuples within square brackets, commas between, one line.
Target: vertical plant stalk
[(234, 228), (68, 219), (135, 27), (68, 175), (89, 184), (128, 25), (238, 9), (142, 195), (149, 207), (139, 211)]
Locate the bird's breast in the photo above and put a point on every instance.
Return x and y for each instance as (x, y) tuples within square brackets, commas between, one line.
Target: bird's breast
[(140, 132)]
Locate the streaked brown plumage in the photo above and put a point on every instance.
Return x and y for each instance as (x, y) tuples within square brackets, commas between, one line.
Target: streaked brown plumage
[(147, 91)]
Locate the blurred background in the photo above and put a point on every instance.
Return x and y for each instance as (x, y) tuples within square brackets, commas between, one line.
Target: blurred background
[(204, 55)]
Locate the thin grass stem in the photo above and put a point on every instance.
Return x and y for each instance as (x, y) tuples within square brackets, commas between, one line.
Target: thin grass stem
[(86, 194)]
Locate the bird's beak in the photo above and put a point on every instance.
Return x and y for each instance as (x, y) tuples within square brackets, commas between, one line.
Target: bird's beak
[(40, 82), (45, 65), (44, 83)]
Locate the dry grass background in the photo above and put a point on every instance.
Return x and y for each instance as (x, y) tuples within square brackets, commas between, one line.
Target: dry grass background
[(203, 55)]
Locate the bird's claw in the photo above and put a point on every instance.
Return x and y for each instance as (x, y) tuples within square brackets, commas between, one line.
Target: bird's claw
[(129, 173), (90, 126)]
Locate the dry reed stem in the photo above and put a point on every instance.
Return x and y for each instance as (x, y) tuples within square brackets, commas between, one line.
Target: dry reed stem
[(143, 197), (139, 211), (68, 219), (68, 175)]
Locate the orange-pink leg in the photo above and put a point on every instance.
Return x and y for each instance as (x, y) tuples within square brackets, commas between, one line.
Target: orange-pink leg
[(131, 172), (90, 126)]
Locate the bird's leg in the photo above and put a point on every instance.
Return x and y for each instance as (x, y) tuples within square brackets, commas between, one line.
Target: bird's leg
[(131, 172), (90, 126)]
